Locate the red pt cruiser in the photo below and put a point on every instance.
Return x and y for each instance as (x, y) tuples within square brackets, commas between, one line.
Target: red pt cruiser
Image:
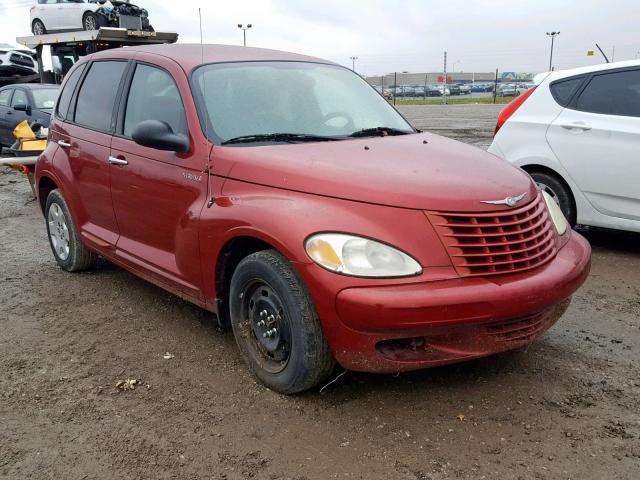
[(286, 195)]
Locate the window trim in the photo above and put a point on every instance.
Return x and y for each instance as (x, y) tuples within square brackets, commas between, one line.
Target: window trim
[(71, 113), (56, 111), (124, 98), (572, 105)]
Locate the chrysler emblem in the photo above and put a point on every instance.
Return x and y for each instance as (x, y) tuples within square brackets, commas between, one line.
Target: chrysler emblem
[(509, 201)]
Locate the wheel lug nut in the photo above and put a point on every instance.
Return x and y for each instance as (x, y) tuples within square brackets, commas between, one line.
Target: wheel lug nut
[(270, 333), (261, 323), (263, 313)]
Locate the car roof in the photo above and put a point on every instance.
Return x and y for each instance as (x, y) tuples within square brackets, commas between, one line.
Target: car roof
[(190, 55), (559, 74), (32, 86)]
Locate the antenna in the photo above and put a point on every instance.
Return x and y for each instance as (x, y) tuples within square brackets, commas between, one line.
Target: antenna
[(201, 42)]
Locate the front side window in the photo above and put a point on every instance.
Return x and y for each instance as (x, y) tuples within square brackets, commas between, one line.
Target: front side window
[(97, 95), (19, 98), (44, 98), (67, 93), (262, 98), (615, 93), (154, 96)]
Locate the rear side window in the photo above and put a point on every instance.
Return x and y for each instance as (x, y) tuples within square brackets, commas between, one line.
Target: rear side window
[(97, 95), (154, 96), (615, 93), (563, 90), (67, 93), (5, 97)]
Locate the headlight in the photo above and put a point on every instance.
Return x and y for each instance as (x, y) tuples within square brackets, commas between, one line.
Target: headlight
[(359, 257), (557, 216)]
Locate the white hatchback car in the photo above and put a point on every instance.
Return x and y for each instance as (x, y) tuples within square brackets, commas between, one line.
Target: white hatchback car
[(59, 15), (578, 135)]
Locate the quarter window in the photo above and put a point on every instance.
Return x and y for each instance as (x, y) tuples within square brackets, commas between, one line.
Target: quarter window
[(67, 93), (612, 94), (5, 97), (563, 91), (97, 95), (154, 96)]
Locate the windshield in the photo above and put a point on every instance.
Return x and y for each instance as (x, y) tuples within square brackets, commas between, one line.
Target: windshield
[(45, 98), (265, 98)]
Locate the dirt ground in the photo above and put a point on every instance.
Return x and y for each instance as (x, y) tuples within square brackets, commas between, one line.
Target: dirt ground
[(568, 407)]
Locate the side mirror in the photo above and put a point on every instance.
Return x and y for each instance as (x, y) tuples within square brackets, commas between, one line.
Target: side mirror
[(159, 135), (21, 107)]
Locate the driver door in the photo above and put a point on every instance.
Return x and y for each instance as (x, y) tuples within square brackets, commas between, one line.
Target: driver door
[(157, 195)]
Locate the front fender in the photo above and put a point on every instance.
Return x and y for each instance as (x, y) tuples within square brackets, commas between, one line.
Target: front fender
[(285, 219)]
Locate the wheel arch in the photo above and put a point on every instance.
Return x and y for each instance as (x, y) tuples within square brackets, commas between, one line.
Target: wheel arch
[(45, 186), (233, 251), (537, 168)]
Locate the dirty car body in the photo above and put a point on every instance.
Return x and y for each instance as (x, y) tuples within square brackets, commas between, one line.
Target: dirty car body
[(372, 244)]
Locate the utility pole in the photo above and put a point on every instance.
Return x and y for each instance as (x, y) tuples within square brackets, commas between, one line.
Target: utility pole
[(244, 31), (353, 63), (553, 36), (444, 90)]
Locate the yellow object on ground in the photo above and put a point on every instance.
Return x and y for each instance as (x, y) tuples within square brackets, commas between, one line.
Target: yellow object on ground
[(27, 140)]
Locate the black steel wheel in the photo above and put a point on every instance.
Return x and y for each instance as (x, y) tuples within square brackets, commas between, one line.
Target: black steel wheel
[(275, 324)]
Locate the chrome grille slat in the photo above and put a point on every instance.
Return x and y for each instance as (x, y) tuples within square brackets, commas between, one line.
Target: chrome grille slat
[(496, 243)]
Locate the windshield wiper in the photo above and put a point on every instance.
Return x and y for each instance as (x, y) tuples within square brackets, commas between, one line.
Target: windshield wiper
[(278, 137), (379, 132)]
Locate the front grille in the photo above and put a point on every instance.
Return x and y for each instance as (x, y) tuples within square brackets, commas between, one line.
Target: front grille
[(524, 328), (21, 60), (494, 243)]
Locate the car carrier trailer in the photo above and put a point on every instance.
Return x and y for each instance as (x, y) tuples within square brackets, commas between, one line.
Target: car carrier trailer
[(73, 45)]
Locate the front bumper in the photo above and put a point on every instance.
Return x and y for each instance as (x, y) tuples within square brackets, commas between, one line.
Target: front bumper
[(405, 327)]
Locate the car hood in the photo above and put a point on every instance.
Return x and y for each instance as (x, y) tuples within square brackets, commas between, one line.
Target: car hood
[(421, 171)]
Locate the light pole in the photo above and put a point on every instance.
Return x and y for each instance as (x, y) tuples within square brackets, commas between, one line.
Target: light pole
[(353, 63), (553, 36), (244, 31)]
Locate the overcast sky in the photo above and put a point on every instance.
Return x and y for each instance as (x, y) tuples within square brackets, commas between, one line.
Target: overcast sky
[(479, 35)]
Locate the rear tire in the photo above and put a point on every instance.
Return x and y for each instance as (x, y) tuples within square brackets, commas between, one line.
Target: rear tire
[(276, 325), (90, 21), (559, 191), (38, 28), (68, 250)]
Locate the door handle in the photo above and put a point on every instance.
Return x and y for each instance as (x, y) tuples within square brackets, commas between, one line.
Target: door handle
[(64, 144), (117, 161), (576, 126)]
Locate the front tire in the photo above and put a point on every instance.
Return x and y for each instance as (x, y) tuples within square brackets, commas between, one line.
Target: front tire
[(559, 191), (276, 326), (69, 252), (90, 21)]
